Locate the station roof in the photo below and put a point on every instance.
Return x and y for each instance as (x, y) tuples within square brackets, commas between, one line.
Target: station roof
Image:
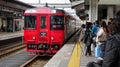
[(20, 3), (15, 4)]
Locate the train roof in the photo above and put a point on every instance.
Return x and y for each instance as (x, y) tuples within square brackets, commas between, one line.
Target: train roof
[(48, 10), (44, 10)]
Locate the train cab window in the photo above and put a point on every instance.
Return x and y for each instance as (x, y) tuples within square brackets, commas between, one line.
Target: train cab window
[(57, 22), (30, 22), (43, 22)]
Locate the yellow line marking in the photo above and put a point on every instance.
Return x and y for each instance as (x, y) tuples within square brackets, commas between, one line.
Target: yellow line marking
[(75, 58)]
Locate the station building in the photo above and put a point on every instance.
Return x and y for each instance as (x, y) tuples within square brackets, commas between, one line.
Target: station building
[(96, 9), (11, 15), (101, 9)]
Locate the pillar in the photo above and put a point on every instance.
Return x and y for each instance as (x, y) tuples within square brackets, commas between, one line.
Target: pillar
[(93, 10), (0, 23), (110, 10), (14, 25)]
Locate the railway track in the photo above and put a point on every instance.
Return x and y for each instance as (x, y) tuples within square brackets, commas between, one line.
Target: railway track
[(16, 50), (37, 61), (29, 62), (11, 51), (5, 52)]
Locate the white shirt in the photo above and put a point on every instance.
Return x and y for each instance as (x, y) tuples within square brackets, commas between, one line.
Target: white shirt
[(99, 33)]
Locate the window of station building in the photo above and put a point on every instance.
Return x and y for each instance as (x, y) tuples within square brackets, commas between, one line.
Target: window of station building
[(57, 22), (30, 22), (43, 22)]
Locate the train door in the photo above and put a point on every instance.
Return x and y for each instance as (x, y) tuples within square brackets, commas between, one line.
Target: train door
[(44, 29)]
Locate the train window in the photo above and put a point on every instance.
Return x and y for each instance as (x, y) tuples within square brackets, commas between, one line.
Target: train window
[(43, 22), (30, 22), (57, 22)]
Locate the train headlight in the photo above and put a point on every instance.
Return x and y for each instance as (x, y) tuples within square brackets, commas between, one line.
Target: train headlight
[(52, 38), (56, 47), (33, 37)]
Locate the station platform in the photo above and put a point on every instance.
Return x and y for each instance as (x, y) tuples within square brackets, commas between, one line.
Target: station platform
[(70, 55), (9, 35), (8, 39)]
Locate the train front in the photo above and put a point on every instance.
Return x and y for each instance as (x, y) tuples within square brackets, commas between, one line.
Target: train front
[(43, 31)]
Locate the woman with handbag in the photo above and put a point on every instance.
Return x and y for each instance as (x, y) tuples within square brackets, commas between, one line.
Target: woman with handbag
[(101, 39)]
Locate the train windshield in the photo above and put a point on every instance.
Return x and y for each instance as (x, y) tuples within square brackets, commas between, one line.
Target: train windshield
[(30, 22), (57, 22)]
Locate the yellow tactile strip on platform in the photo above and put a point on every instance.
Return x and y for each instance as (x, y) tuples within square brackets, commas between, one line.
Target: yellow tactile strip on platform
[(75, 58)]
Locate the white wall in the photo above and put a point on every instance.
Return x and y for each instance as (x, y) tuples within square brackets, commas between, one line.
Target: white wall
[(109, 2)]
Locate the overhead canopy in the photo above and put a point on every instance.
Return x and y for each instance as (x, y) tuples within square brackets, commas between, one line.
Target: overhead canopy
[(109, 2), (14, 4), (76, 3)]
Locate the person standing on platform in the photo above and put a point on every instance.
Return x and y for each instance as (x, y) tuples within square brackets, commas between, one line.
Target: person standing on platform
[(95, 29), (110, 21), (112, 50), (88, 39), (101, 39)]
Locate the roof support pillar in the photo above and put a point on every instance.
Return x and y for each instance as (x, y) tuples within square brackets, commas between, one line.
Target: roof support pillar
[(93, 10), (110, 10)]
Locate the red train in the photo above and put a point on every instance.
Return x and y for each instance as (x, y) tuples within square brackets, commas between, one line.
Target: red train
[(47, 29)]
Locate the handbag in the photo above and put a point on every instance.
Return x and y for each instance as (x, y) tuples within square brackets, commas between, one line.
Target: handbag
[(98, 51)]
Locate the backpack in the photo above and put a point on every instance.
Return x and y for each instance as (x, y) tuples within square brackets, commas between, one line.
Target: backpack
[(95, 30), (95, 33)]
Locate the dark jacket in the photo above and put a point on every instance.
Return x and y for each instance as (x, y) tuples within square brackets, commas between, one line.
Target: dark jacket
[(112, 52), (87, 39)]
